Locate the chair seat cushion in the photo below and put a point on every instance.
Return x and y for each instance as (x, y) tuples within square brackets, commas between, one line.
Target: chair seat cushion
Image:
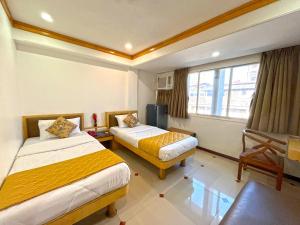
[(258, 204)]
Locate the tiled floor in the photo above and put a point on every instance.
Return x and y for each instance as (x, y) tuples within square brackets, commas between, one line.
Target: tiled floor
[(201, 199)]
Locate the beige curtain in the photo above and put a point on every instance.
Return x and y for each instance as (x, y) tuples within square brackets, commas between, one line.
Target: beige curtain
[(276, 103), (179, 98), (164, 97)]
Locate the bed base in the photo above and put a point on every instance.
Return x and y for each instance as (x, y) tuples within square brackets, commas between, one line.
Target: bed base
[(161, 165), (108, 200)]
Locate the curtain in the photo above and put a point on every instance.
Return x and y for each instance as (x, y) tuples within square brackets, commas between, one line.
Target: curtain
[(164, 97), (179, 98), (276, 104)]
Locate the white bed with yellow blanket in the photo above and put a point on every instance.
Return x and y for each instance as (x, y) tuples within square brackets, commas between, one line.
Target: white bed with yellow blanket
[(64, 200), (135, 134), (160, 147)]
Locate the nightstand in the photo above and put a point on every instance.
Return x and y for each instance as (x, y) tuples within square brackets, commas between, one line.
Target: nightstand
[(173, 129), (105, 138)]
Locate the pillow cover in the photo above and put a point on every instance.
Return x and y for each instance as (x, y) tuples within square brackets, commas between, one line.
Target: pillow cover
[(130, 120), (135, 115), (120, 119), (61, 128), (44, 124)]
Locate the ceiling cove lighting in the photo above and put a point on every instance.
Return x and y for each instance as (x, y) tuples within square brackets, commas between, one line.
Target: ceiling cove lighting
[(45, 16), (128, 46), (215, 54)]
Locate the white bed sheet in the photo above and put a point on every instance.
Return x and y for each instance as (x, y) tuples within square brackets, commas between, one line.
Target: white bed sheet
[(133, 135), (41, 209)]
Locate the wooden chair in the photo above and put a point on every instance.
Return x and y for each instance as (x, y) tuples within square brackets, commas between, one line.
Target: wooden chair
[(263, 155)]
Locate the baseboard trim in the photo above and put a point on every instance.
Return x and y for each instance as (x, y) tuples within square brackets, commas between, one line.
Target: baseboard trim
[(291, 177), (218, 153)]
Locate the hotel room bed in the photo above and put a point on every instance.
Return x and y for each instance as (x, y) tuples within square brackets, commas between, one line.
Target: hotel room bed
[(133, 135), (49, 206), (168, 155)]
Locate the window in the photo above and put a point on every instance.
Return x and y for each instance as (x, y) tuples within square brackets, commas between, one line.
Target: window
[(222, 92), (205, 92)]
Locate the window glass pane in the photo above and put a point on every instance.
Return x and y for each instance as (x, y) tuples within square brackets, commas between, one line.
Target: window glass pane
[(205, 94), (222, 91), (242, 89), (193, 91)]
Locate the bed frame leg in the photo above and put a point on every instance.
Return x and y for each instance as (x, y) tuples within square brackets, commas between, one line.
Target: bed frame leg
[(162, 174), (111, 210), (182, 163), (114, 145)]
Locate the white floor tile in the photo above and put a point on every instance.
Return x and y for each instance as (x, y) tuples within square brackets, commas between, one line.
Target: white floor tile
[(202, 199)]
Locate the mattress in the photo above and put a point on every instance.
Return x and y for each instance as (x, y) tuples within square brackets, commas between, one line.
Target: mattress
[(133, 135), (41, 209)]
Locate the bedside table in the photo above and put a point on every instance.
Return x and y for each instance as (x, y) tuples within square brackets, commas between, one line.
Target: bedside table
[(173, 129), (105, 138)]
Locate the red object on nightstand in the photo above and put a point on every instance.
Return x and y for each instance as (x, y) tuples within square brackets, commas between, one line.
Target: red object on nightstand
[(95, 119)]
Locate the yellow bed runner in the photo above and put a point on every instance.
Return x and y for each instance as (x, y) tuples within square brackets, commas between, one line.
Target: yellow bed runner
[(28, 184), (152, 145)]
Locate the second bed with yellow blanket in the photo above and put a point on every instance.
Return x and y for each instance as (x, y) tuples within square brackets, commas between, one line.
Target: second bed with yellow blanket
[(161, 148)]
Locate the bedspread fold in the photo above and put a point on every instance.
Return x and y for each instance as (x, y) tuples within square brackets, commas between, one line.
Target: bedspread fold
[(152, 145)]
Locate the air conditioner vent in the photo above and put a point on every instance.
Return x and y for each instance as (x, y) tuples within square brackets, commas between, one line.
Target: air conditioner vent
[(165, 81)]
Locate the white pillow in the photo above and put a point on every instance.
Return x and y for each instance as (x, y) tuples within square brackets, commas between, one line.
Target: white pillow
[(44, 124), (77, 122), (120, 119), (136, 116)]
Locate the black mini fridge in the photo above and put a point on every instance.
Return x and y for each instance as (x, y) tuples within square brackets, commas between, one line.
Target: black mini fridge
[(157, 115)]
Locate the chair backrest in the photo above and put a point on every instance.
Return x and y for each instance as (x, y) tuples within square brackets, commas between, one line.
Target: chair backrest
[(262, 140)]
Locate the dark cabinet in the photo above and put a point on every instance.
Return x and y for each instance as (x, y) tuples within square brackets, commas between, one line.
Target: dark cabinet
[(157, 115)]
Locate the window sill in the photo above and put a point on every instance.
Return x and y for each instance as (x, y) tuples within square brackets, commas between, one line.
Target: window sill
[(223, 118)]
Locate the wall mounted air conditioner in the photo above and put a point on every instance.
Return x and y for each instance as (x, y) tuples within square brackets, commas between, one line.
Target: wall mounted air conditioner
[(165, 81)]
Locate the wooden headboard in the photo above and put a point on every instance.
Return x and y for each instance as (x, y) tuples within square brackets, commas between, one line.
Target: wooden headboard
[(110, 119), (30, 123)]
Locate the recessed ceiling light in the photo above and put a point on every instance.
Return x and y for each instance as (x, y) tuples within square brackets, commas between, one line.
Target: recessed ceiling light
[(45, 16), (128, 46), (215, 54)]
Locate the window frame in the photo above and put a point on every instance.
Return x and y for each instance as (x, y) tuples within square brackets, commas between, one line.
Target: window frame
[(214, 103)]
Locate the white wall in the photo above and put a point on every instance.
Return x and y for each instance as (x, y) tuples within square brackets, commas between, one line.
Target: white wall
[(10, 122), (54, 85), (146, 92), (217, 134), (131, 89)]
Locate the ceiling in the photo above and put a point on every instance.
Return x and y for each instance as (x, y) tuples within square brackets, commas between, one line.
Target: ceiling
[(112, 23), (143, 23), (281, 32)]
